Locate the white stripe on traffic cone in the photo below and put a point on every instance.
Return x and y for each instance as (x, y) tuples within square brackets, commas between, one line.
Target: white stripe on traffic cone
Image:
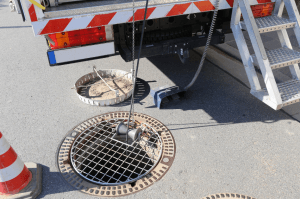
[(14, 175)]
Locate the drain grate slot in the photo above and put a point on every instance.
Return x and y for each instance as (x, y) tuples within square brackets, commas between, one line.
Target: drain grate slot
[(100, 158)]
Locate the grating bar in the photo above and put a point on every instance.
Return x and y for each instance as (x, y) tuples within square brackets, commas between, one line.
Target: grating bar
[(281, 57), (137, 166), (102, 172), (125, 159), (155, 161), (119, 168), (98, 154), (104, 142), (104, 165), (105, 173), (98, 157), (93, 143), (132, 170), (117, 152)]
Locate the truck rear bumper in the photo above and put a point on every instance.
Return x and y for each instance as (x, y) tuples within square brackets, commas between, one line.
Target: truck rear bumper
[(66, 55)]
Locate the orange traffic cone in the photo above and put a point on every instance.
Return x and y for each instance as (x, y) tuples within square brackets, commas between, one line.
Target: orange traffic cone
[(14, 175)]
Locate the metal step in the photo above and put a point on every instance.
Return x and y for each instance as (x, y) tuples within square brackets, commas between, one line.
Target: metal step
[(271, 23), (281, 57), (289, 91), (276, 95)]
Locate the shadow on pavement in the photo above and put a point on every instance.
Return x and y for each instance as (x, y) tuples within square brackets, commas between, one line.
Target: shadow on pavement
[(142, 90), (215, 92), (4, 4), (53, 183)]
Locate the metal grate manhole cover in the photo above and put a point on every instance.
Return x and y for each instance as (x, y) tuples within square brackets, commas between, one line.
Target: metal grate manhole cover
[(97, 154), (94, 154)]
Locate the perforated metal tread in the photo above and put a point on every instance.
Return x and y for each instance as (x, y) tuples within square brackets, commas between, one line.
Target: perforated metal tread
[(281, 57), (289, 91), (273, 23)]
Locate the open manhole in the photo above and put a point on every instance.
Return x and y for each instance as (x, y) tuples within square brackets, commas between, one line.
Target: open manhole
[(94, 159), (93, 90)]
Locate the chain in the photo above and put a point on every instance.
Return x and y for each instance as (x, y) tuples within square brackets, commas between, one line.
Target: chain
[(134, 74), (133, 51), (131, 111)]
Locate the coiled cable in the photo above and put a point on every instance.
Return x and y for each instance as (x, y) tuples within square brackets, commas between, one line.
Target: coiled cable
[(212, 26)]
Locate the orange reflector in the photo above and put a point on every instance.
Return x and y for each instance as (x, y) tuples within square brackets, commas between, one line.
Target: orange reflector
[(78, 37), (262, 10)]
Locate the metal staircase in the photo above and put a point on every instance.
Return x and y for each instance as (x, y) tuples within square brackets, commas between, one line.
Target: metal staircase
[(275, 95)]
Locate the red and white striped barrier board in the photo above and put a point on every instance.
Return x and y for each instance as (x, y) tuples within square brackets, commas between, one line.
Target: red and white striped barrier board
[(14, 175), (42, 26)]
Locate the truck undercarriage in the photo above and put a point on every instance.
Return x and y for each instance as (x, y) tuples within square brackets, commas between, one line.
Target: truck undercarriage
[(173, 35)]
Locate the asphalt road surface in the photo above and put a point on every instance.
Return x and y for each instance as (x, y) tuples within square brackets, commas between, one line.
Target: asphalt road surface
[(227, 141)]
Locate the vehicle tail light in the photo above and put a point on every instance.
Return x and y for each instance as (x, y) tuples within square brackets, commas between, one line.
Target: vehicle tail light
[(262, 10), (78, 37)]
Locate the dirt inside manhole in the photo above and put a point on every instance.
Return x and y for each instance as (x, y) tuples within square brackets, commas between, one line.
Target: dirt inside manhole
[(100, 91), (92, 90), (113, 168)]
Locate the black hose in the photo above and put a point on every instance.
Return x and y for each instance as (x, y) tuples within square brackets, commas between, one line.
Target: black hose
[(206, 46)]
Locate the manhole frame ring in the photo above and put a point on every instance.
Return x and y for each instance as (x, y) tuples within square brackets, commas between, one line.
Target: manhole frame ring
[(104, 102), (228, 196), (77, 182)]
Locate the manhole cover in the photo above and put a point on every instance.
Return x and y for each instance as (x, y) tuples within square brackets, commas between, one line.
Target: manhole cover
[(94, 159), (228, 196), (92, 90), (101, 156)]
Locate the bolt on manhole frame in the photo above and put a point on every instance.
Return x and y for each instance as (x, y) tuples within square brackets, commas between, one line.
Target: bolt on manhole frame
[(75, 180)]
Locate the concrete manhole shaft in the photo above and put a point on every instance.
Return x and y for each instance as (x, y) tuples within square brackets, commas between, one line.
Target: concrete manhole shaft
[(94, 159)]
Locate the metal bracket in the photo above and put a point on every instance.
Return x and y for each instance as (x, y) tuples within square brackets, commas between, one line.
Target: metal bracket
[(183, 54)]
